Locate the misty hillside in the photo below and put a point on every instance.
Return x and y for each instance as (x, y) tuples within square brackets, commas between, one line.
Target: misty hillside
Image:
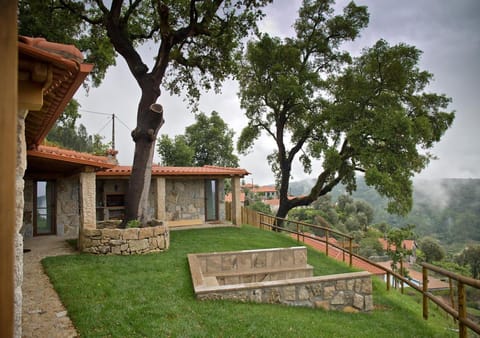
[(448, 209)]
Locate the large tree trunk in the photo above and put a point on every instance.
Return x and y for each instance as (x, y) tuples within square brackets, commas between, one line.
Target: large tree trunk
[(149, 121)]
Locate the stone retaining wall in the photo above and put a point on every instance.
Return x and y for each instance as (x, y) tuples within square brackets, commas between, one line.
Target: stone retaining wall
[(348, 292), (125, 241)]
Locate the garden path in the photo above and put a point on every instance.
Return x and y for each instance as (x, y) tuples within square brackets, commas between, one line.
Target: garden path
[(43, 314)]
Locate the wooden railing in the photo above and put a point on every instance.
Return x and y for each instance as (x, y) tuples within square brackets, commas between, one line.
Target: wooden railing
[(269, 222), (458, 312)]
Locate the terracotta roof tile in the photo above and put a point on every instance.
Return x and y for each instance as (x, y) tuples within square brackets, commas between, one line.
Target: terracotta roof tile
[(179, 171), (66, 51), (66, 72), (71, 156)]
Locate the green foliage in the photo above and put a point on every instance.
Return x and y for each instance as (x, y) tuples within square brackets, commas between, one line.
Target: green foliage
[(208, 141), (49, 19), (471, 256), (432, 249), (347, 215), (260, 207), (395, 237), (371, 115), (212, 141), (447, 209), (134, 223), (454, 267), (370, 246), (175, 152), (66, 134)]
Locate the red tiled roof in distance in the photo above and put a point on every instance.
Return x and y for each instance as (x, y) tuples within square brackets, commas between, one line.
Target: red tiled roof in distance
[(179, 171), (272, 202), (407, 244), (228, 197), (265, 188), (70, 156)]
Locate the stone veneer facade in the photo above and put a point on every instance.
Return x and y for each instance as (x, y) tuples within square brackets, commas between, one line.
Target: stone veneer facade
[(125, 241), (185, 199), (169, 199)]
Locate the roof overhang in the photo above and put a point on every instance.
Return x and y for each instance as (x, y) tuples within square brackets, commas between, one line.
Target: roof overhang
[(52, 162), (185, 172), (49, 75)]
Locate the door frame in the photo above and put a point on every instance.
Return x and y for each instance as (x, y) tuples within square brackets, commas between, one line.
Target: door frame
[(53, 227), (216, 204)]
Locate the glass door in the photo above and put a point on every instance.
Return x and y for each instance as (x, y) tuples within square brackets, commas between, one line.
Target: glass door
[(211, 200), (44, 204)]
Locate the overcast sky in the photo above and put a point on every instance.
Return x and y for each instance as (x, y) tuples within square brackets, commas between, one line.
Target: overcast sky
[(447, 31)]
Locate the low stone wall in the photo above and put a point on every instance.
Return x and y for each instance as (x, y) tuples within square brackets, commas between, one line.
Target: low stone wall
[(348, 292), (125, 241)]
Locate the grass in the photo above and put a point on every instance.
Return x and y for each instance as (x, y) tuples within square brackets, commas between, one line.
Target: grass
[(152, 296)]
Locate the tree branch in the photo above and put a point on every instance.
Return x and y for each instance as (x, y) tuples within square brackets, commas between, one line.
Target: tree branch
[(68, 6), (122, 43), (133, 6)]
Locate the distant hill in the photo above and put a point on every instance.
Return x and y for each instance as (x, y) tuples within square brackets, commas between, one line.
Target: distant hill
[(448, 209)]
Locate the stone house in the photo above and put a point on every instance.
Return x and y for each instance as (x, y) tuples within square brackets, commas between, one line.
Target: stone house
[(66, 191), (179, 196), (63, 192)]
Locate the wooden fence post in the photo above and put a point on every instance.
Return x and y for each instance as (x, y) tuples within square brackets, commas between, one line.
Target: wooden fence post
[(401, 273), (425, 290), (462, 309), (326, 248), (351, 251)]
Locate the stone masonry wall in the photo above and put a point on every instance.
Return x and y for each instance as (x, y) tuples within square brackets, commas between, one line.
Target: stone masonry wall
[(277, 275), (27, 229), (344, 292), (125, 241), (18, 240), (185, 199), (68, 219)]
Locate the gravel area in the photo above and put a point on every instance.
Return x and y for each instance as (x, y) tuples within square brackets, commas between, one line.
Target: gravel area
[(43, 313)]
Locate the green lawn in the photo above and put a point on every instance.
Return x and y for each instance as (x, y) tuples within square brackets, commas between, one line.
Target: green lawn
[(152, 296)]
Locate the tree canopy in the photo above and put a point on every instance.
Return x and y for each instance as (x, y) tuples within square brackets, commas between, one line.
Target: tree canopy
[(432, 249), (208, 141), (369, 114), (175, 152)]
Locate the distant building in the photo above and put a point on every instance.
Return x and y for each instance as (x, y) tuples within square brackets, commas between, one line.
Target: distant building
[(407, 244)]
